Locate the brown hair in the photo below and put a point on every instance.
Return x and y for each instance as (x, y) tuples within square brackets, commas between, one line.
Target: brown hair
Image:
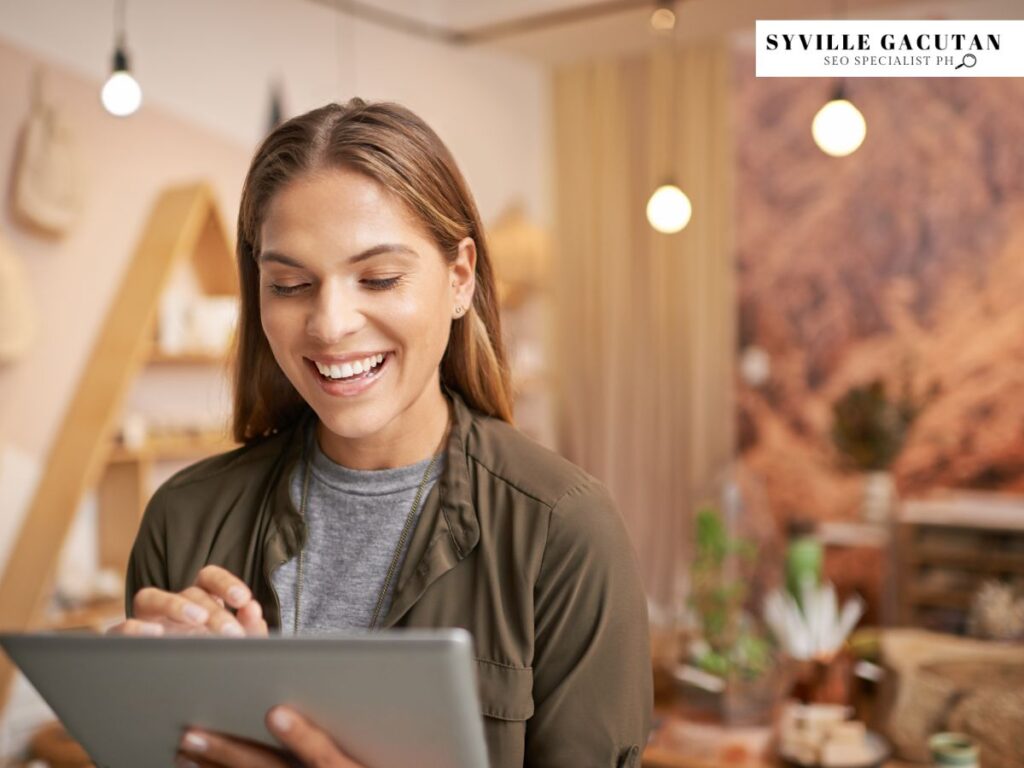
[(394, 147)]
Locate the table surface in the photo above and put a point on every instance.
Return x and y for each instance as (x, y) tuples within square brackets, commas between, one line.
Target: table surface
[(678, 743)]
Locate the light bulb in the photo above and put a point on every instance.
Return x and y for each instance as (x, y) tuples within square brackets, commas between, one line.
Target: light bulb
[(663, 19), (121, 94), (755, 365), (839, 128), (669, 209)]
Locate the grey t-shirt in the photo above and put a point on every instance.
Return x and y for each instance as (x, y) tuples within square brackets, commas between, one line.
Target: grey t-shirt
[(354, 520)]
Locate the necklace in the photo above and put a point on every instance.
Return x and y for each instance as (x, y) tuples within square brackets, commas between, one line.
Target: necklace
[(398, 547)]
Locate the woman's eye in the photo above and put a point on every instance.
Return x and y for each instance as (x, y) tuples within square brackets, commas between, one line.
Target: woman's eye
[(286, 290), (381, 283)]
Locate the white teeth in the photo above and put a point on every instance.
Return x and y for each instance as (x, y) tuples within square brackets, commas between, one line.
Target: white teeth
[(345, 370)]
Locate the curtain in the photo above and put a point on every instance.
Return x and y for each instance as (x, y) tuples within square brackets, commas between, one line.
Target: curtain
[(644, 324)]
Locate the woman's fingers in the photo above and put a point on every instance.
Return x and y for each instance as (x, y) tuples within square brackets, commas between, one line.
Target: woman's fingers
[(203, 607), (221, 621), (136, 627), (251, 618), (205, 748), (152, 604), (187, 613), (314, 747), (221, 583)]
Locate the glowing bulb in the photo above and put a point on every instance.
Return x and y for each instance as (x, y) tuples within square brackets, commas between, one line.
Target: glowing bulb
[(663, 19), (669, 209), (839, 128), (121, 94)]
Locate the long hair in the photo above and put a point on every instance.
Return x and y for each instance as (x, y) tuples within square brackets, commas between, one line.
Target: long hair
[(395, 148)]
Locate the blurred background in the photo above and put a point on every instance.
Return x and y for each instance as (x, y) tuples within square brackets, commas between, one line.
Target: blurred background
[(795, 357)]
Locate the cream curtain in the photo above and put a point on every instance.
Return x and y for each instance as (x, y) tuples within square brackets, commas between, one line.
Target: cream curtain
[(644, 323)]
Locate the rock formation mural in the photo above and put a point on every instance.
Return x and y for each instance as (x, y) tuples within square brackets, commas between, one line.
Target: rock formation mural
[(903, 261)]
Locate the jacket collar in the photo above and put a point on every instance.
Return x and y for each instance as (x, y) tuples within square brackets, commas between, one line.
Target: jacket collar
[(448, 528), (456, 497), (447, 531)]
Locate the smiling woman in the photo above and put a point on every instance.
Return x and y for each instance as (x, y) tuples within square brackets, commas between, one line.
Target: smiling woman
[(372, 401)]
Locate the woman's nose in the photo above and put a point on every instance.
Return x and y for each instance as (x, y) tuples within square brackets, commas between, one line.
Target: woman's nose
[(335, 314)]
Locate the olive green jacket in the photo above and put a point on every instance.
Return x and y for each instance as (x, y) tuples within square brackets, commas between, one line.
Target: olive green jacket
[(514, 543)]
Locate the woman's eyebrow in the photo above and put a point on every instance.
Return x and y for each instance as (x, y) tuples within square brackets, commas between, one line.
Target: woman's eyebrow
[(369, 253), (382, 248)]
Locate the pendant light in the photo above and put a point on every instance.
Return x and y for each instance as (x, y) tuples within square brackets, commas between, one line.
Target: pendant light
[(663, 18), (668, 209), (121, 94), (839, 127)]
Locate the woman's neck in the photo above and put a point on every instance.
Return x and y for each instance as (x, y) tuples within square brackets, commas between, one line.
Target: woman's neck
[(413, 436)]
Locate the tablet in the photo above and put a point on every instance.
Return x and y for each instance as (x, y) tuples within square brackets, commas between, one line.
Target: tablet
[(391, 699)]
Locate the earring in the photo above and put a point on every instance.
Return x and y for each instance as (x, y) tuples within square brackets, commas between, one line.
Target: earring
[(459, 310)]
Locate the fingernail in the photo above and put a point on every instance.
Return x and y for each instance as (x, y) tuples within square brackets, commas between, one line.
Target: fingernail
[(195, 742), (151, 629), (232, 630), (237, 595), (281, 719), (196, 613), (184, 762)]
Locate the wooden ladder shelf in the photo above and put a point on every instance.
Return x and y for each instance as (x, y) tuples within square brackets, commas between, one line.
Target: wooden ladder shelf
[(184, 224)]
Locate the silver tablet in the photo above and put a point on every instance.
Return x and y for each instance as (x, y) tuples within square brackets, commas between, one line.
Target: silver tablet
[(390, 699)]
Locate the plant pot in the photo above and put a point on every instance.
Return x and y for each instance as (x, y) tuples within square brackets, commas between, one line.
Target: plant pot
[(752, 702), (953, 749), (823, 681), (742, 702), (879, 496)]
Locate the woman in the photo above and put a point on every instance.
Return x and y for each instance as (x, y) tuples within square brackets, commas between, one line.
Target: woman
[(381, 483)]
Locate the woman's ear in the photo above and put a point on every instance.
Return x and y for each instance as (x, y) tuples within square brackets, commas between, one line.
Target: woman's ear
[(462, 277)]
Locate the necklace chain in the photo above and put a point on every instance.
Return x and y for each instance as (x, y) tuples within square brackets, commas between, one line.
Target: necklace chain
[(398, 547)]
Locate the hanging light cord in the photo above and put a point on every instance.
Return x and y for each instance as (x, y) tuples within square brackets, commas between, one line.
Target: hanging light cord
[(668, 54), (119, 23)]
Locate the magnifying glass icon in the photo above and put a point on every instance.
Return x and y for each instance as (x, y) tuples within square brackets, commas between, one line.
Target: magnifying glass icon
[(969, 61)]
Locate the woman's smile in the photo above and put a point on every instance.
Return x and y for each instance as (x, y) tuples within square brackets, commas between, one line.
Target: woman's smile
[(349, 375)]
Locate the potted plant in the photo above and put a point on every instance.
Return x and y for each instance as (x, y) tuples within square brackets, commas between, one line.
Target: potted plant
[(729, 669), (869, 430)]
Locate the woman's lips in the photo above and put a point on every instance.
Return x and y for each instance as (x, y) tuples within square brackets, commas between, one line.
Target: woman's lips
[(353, 386)]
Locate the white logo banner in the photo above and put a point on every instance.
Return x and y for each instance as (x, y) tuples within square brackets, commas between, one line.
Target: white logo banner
[(892, 48)]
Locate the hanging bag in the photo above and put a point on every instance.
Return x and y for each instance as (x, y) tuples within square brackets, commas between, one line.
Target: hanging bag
[(47, 177)]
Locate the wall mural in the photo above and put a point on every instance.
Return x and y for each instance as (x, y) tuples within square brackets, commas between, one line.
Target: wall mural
[(902, 263)]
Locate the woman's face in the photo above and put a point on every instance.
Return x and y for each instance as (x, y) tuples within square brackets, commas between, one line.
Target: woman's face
[(357, 302)]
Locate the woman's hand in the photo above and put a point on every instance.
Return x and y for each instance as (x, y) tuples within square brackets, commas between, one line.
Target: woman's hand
[(203, 608), (313, 747)]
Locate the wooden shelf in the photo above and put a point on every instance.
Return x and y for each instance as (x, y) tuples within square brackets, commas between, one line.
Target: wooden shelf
[(91, 616), (985, 562), (972, 510), (173, 447), (156, 357), (949, 546), (184, 225), (942, 598)]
